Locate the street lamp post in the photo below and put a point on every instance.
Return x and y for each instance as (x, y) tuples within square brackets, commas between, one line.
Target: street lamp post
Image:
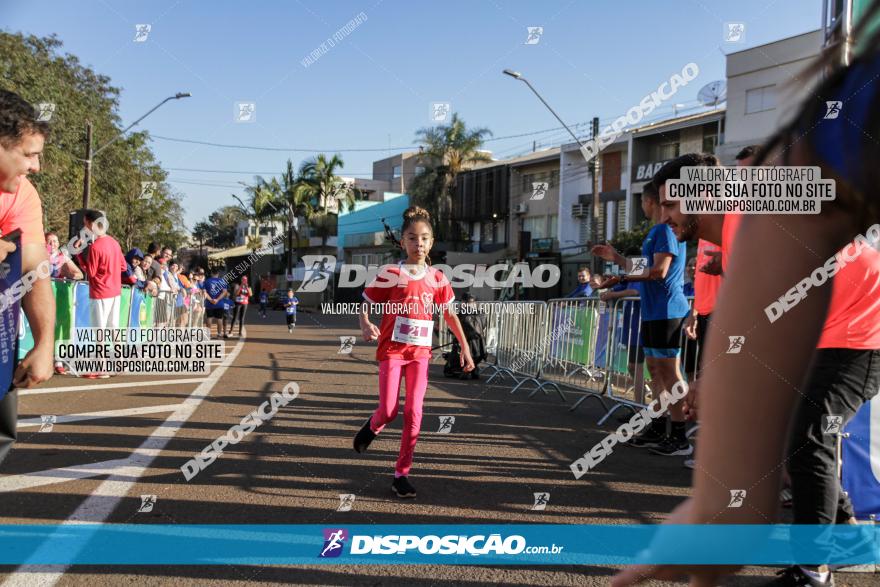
[(593, 161), (87, 179)]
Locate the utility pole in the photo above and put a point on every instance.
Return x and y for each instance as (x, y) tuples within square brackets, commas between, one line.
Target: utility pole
[(87, 176), (594, 170)]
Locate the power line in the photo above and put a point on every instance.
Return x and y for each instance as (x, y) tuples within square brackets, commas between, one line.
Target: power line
[(341, 150)]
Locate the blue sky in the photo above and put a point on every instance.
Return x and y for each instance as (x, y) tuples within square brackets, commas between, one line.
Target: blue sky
[(373, 89)]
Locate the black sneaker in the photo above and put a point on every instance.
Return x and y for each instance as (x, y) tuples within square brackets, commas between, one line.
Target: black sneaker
[(364, 437), (674, 447), (402, 487), (797, 577), (653, 435)]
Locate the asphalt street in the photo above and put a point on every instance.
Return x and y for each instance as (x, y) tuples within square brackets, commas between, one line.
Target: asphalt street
[(115, 440)]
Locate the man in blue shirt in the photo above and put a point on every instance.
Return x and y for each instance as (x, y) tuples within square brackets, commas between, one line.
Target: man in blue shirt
[(583, 288), (215, 292), (664, 308)]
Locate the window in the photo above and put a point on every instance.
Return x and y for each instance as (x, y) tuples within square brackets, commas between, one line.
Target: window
[(395, 172), (760, 99), (420, 169), (667, 151), (535, 225), (710, 140), (552, 226)]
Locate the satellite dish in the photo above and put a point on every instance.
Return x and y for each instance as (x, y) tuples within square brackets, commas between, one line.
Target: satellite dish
[(713, 93)]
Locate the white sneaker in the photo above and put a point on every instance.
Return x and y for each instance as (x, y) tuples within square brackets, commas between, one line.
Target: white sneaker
[(689, 463)]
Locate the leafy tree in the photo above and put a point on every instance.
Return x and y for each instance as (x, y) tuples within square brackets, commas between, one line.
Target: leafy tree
[(38, 70), (222, 224), (629, 242), (449, 150)]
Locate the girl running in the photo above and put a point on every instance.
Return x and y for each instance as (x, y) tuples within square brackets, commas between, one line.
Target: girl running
[(408, 291)]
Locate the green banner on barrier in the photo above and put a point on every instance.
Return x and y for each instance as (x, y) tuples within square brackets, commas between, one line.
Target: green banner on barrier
[(124, 307), (147, 312)]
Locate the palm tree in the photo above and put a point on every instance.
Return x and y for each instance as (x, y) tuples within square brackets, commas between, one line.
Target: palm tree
[(325, 191), (293, 200), (260, 206), (449, 150)]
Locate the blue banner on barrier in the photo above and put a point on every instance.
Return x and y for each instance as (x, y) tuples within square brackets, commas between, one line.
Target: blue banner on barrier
[(134, 312), (10, 314), (82, 316), (861, 460), (162, 544)]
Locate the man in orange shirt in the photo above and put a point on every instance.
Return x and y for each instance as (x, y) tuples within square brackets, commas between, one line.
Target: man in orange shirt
[(21, 142)]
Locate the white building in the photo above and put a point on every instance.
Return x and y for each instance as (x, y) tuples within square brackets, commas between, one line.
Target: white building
[(765, 87)]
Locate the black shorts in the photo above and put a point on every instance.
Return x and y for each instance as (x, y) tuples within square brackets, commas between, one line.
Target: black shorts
[(662, 338), (214, 313), (291, 318), (693, 349)]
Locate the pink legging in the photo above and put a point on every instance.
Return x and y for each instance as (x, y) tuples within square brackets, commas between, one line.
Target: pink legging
[(416, 373)]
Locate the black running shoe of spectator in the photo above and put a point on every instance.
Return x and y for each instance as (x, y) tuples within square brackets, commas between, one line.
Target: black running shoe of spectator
[(653, 435), (674, 447)]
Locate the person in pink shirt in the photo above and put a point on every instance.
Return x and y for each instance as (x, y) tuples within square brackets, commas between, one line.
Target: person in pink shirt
[(409, 292)]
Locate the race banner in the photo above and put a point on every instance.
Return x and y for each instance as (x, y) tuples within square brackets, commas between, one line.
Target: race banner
[(10, 315), (861, 460)]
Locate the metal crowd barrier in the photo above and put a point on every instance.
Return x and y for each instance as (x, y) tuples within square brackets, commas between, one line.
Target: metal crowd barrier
[(582, 344)]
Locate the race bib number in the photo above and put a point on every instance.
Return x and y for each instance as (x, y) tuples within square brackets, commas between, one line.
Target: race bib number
[(412, 332), (239, 299), (291, 309)]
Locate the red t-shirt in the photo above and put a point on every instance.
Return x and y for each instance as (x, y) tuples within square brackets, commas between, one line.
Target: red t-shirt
[(705, 286), (103, 266), (24, 211), (853, 320), (408, 303)]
